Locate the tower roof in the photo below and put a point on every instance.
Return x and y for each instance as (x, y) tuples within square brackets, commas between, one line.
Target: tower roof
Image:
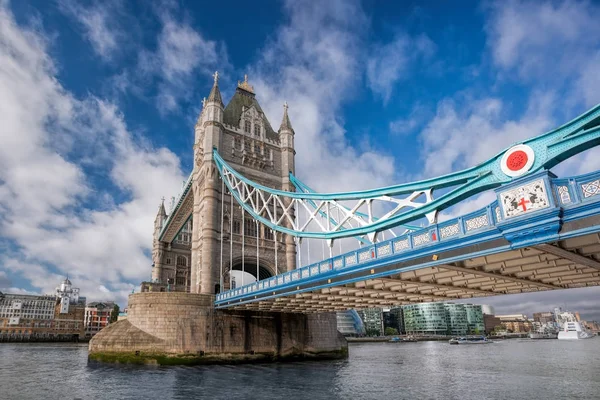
[(244, 98), (161, 208), (215, 93), (285, 122)]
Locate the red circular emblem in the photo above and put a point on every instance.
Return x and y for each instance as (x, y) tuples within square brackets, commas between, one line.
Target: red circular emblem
[(516, 160)]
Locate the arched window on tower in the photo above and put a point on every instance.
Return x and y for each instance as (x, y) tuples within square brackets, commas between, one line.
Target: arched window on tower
[(181, 260), (247, 126), (257, 130)]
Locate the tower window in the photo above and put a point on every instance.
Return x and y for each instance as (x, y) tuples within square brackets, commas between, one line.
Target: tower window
[(256, 130), (247, 126), (247, 146), (181, 261), (236, 226), (237, 143), (250, 227), (268, 234)]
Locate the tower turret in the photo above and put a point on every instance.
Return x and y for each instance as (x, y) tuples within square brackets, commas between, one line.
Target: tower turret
[(209, 130), (286, 143), (157, 245), (286, 139)]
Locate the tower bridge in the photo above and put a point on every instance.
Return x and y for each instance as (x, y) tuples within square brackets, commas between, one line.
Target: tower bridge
[(243, 208)]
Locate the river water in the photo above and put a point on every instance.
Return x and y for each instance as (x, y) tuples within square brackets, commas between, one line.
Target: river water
[(511, 369)]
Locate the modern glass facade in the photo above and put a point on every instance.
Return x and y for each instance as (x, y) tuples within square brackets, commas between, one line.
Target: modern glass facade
[(475, 321), (373, 320), (443, 319), (425, 319), (350, 324), (457, 319)]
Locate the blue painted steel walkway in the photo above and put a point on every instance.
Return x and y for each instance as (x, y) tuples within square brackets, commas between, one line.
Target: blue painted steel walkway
[(533, 237)]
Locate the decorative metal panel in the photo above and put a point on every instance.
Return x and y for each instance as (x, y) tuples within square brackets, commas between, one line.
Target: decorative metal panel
[(350, 260), (314, 270), (384, 250), (564, 195), (338, 263), (364, 256), (400, 245), (450, 230), (421, 239), (305, 273), (477, 222), (591, 188)]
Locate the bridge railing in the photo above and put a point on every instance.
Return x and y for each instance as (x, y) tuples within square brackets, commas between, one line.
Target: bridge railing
[(567, 191)]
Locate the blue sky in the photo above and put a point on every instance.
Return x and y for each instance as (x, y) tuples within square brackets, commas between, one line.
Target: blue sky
[(98, 102)]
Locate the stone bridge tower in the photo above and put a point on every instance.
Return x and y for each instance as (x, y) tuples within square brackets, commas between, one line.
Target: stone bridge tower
[(244, 137)]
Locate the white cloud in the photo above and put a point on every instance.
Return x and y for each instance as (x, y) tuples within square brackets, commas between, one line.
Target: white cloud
[(404, 126), (468, 131), (553, 43), (180, 56), (50, 141), (99, 23), (318, 58), (391, 62)]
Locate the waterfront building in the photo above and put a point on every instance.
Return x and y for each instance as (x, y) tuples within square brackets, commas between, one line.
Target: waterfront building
[(425, 319), (47, 317), (443, 319), (543, 317), (516, 323), (97, 316), (457, 319), (490, 322), (394, 318), (475, 324), (349, 323), (373, 320)]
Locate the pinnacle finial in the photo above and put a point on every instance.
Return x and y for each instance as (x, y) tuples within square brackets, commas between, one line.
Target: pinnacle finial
[(216, 77), (245, 85), (285, 123)]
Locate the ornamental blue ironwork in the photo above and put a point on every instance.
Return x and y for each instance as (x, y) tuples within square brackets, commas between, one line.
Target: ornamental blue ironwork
[(330, 217)]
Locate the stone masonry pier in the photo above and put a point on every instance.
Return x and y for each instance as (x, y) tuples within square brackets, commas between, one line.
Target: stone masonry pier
[(184, 328)]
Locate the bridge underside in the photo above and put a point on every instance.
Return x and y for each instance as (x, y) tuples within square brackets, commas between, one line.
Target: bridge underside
[(569, 263)]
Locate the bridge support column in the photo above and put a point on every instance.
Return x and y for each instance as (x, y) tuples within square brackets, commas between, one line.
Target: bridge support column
[(184, 328)]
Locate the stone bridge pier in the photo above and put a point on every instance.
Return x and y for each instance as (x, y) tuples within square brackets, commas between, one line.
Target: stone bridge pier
[(184, 328)]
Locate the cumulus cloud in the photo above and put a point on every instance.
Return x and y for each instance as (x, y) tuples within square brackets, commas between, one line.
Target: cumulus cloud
[(391, 62), (60, 157), (181, 55), (548, 42), (100, 25), (318, 55), (467, 131)]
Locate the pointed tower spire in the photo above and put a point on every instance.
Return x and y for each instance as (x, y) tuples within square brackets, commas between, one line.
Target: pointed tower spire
[(161, 209), (215, 93), (286, 125)]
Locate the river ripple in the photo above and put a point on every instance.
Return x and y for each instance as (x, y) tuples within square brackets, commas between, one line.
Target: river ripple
[(545, 369)]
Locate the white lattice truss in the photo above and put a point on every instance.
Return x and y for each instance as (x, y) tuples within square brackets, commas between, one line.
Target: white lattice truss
[(281, 213)]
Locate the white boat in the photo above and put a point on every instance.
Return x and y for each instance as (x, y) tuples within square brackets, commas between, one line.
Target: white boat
[(470, 340), (573, 331)]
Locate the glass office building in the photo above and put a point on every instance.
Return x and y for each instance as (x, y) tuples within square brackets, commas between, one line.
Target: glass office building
[(425, 319), (443, 319)]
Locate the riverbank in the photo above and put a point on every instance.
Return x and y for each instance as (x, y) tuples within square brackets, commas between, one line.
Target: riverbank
[(380, 339)]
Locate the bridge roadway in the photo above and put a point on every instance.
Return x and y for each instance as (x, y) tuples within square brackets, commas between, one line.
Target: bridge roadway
[(498, 250)]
